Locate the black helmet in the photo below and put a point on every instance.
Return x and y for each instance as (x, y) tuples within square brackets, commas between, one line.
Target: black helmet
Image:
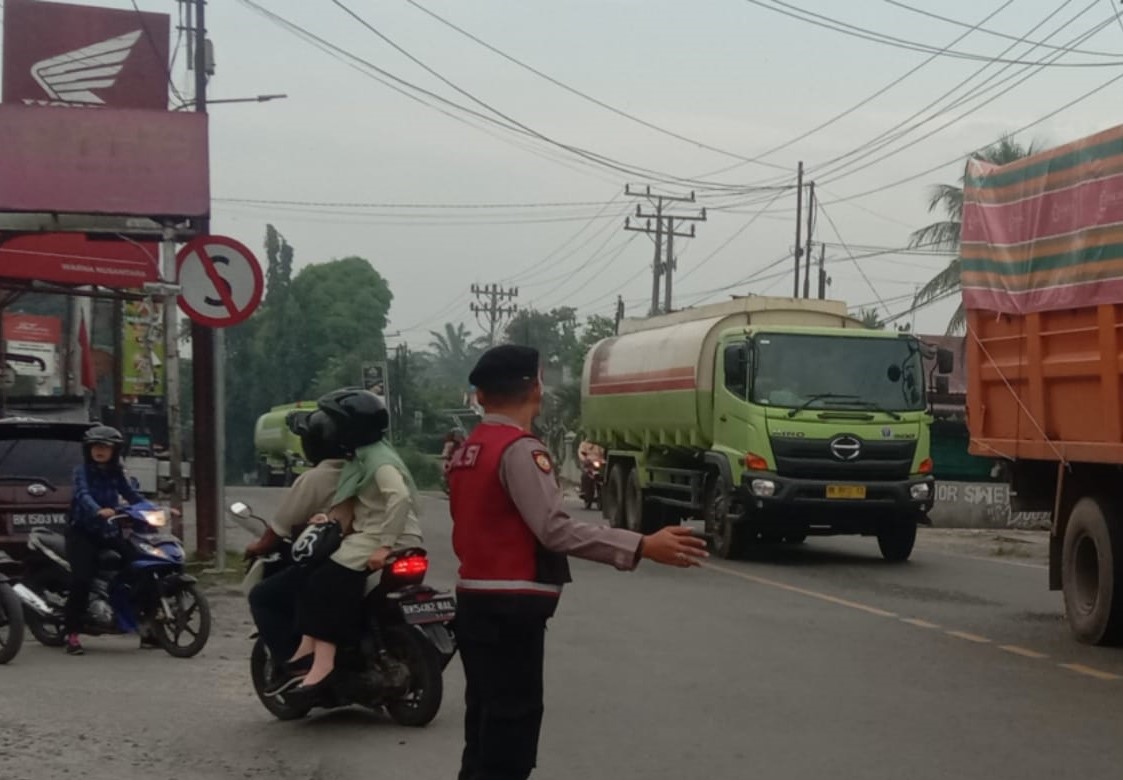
[(103, 434), (361, 416), (319, 435)]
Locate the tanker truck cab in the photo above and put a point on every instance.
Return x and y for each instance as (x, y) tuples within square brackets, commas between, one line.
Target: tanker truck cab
[(826, 431), (767, 420)]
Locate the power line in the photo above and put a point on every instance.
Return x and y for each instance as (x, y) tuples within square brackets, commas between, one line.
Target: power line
[(587, 97), (857, 265), (697, 266), (362, 205), (890, 40), (156, 52)]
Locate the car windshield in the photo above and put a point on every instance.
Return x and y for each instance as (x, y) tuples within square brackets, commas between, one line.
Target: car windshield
[(50, 459), (838, 372)]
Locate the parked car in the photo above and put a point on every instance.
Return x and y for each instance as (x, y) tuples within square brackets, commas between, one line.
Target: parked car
[(37, 458)]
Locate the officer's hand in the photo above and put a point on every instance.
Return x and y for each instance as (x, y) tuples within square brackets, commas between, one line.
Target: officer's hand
[(674, 545)]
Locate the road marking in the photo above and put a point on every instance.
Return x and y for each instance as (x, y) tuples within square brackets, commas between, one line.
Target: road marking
[(1090, 671), (803, 591), (982, 640), (1024, 652), (919, 623)]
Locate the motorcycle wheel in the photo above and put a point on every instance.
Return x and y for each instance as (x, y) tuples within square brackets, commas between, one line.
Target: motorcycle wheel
[(172, 630), (261, 665), (426, 687), (47, 631), (11, 623)]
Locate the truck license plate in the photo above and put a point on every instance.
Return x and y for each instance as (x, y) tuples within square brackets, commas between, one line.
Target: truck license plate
[(26, 521), (435, 610), (846, 491)]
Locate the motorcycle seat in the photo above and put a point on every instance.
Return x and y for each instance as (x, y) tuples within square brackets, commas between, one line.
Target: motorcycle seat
[(109, 559)]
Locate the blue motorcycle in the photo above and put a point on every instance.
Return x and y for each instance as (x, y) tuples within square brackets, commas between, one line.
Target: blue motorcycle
[(146, 591)]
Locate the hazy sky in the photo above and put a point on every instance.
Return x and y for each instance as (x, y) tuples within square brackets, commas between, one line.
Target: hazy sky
[(729, 73)]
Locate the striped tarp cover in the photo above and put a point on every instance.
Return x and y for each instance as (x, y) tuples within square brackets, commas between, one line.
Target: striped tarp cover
[(1045, 232)]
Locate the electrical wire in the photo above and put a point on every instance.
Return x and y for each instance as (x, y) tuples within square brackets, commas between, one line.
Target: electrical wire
[(156, 52), (853, 259), (361, 205), (729, 240)]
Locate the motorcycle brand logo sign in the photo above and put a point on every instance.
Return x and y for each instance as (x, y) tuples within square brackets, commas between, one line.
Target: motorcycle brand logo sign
[(64, 54), (846, 448), (72, 77)]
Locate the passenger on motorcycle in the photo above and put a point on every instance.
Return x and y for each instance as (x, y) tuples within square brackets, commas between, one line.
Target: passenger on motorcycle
[(589, 453), (273, 601), (99, 485), (377, 493)]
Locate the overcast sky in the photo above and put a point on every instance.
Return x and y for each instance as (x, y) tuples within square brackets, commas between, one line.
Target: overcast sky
[(728, 73)]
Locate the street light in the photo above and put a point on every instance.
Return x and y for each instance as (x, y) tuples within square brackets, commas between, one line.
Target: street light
[(258, 99)]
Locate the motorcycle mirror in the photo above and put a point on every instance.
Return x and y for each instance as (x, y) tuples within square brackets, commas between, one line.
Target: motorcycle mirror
[(239, 509)]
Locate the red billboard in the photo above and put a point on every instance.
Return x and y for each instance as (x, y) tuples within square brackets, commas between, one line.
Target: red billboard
[(127, 162), (72, 258), (59, 54), (32, 327)]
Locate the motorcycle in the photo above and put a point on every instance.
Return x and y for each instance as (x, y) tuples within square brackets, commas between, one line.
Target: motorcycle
[(407, 640), (592, 482), (11, 613), (149, 594)]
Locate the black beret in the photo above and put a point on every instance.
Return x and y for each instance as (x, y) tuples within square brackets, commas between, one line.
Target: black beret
[(503, 364)]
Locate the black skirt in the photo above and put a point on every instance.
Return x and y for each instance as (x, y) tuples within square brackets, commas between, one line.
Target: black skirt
[(330, 606)]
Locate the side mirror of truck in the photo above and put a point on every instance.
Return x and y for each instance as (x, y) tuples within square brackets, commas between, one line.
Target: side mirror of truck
[(943, 386), (945, 361)]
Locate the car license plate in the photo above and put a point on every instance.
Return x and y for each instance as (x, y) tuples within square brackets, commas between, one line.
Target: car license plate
[(27, 521), (851, 492), (433, 610)]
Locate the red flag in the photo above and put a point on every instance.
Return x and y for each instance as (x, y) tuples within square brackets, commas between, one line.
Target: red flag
[(89, 380)]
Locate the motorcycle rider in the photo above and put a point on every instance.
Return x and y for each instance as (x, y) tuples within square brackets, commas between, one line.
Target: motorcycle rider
[(99, 484), (589, 453), (377, 493), (273, 601)]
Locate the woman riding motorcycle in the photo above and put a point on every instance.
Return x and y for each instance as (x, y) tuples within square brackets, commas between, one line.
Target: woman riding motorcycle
[(377, 498), (273, 601)]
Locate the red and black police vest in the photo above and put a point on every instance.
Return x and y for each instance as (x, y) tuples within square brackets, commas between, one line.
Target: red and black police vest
[(499, 555)]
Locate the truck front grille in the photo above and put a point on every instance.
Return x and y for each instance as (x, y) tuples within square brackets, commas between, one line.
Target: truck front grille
[(814, 459)]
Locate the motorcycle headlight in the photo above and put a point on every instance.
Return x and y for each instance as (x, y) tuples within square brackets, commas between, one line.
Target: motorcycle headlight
[(157, 518), (152, 550)]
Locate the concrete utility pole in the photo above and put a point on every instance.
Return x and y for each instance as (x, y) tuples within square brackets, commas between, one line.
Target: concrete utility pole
[(808, 251), (619, 311), (822, 271), (171, 371), (663, 264), (490, 307), (798, 226)]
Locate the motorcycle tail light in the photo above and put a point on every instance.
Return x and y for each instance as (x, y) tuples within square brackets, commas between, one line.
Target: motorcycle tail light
[(412, 566)]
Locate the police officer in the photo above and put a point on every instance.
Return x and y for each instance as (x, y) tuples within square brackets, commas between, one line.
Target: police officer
[(511, 536)]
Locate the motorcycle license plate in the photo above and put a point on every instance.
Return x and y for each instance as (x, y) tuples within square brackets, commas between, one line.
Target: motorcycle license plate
[(26, 521), (437, 609), (852, 492)]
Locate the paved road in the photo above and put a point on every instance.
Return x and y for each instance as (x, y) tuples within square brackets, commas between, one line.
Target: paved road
[(809, 662)]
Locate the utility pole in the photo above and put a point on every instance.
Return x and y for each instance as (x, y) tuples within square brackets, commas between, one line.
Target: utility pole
[(809, 251), (822, 271), (798, 226), (490, 307), (619, 312), (662, 264), (206, 371)]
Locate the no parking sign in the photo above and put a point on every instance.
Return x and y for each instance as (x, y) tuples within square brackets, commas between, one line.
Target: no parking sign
[(220, 280)]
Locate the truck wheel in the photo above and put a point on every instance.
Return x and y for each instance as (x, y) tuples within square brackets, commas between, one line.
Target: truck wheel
[(633, 504), (1093, 590), (896, 540), (612, 508), (729, 538)]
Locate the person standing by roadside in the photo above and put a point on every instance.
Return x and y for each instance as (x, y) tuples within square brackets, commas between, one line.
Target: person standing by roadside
[(511, 535)]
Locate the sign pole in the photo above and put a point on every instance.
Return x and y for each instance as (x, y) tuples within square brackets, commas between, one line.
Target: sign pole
[(171, 376), (220, 437)]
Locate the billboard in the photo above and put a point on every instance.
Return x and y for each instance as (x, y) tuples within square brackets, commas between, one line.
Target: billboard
[(31, 344), (113, 161), (60, 54), (73, 258), (142, 349)]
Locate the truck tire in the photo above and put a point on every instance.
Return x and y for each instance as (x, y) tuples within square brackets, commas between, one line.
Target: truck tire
[(633, 504), (730, 538), (1093, 589), (896, 540), (612, 508)]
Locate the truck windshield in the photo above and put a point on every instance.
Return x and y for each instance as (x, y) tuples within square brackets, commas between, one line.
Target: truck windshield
[(838, 372)]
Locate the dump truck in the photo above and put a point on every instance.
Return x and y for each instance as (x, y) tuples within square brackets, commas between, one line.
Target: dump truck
[(1042, 279), (767, 420), (280, 456)]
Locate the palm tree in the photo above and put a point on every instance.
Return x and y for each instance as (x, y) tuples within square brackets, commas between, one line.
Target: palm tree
[(871, 319), (944, 235), (454, 353)]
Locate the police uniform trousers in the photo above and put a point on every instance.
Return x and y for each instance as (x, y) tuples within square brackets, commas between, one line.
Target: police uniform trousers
[(503, 655)]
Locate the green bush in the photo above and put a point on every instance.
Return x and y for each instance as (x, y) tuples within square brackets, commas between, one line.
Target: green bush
[(426, 469)]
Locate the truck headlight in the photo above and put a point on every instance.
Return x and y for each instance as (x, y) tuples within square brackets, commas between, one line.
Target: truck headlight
[(920, 491), (765, 488)]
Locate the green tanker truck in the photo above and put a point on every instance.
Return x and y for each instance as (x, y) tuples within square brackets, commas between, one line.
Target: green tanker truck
[(280, 458), (766, 419)]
